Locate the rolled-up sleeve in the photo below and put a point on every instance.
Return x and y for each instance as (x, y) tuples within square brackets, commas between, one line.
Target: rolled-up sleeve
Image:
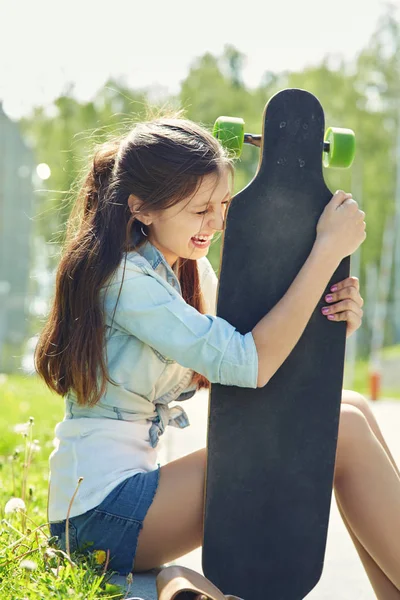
[(159, 317)]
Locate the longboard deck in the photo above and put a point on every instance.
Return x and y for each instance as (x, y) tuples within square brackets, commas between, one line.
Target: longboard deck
[(271, 450)]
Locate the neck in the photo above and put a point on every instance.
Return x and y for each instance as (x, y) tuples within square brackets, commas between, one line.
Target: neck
[(169, 257)]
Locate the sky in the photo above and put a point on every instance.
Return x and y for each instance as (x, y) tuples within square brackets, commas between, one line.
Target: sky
[(45, 44)]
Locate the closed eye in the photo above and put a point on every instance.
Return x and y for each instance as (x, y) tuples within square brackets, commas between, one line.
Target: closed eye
[(203, 212)]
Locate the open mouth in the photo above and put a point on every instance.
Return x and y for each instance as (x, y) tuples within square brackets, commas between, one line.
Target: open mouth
[(201, 241)]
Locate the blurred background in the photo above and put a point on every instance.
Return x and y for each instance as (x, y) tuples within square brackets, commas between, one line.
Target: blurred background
[(73, 74)]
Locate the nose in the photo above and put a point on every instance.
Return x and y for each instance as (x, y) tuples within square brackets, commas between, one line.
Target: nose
[(217, 221)]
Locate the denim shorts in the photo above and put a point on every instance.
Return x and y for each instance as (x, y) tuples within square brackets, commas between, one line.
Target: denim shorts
[(114, 524)]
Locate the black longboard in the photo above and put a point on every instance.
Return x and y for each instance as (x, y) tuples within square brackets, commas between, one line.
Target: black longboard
[(271, 450)]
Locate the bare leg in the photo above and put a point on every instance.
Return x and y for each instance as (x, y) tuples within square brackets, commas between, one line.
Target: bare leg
[(368, 490), (357, 400), (174, 523), (382, 586)]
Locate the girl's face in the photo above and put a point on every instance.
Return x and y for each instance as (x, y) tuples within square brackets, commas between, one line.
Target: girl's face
[(186, 229)]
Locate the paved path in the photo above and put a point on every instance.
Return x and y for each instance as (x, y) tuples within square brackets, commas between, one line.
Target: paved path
[(343, 577)]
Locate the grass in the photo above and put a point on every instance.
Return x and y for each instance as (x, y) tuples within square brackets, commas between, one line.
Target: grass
[(31, 565), (391, 352), (361, 376)]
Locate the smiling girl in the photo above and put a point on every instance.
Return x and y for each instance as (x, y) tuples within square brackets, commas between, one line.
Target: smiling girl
[(132, 328)]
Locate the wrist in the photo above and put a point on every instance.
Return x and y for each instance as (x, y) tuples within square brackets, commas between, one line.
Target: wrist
[(324, 251)]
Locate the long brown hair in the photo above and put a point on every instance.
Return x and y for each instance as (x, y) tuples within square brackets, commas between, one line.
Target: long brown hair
[(161, 161)]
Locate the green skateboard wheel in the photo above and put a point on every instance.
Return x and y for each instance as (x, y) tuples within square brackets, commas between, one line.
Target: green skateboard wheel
[(230, 132), (339, 148)]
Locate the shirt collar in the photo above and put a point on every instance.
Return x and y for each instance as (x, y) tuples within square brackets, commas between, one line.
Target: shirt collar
[(152, 254)]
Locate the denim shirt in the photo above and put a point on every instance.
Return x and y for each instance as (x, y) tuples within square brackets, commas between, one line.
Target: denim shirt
[(155, 341)]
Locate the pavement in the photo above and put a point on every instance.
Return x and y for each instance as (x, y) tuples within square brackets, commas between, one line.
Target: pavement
[(343, 577)]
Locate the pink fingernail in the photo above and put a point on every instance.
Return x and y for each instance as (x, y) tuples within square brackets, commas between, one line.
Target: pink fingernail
[(334, 288), (331, 317)]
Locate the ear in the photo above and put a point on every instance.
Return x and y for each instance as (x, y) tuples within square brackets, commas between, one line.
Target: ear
[(135, 205)]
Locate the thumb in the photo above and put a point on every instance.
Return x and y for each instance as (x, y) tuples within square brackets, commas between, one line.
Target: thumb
[(338, 198)]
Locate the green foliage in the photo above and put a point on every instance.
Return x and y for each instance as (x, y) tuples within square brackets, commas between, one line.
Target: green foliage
[(362, 94), (31, 564), (72, 131), (361, 382), (391, 352)]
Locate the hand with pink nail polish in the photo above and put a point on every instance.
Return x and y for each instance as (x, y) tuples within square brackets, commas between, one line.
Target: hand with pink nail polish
[(341, 225)]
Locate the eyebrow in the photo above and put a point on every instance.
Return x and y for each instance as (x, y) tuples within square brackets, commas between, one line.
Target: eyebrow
[(206, 203)]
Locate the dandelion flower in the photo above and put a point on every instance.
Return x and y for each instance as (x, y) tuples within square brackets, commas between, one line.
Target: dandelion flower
[(14, 505), (49, 553), (34, 447), (21, 428), (28, 565), (100, 556)]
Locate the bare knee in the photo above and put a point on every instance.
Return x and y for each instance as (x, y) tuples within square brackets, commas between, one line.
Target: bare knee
[(353, 432), (357, 400)]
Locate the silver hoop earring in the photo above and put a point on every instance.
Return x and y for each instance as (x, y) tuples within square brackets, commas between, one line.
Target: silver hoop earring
[(141, 229)]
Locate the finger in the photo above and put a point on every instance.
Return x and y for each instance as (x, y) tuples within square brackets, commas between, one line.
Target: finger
[(351, 202), (346, 292), (353, 326), (345, 306), (346, 315), (339, 197), (350, 281)]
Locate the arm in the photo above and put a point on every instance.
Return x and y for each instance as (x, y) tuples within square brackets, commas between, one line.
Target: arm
[(276, 334), (151, 310), (156, 314)]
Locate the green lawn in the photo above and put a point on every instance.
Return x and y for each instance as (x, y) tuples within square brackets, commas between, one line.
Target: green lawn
[(361, 375), (31, 567)]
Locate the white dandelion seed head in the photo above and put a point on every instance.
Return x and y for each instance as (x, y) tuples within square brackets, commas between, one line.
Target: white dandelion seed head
[(21, 428), (27, 564), (34, 447), (14, 505)]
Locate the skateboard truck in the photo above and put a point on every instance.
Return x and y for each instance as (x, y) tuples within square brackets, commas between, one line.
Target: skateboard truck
[(253, 139), (338, 146)]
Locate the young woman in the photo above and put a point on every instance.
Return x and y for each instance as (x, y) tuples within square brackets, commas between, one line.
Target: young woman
[(133, 328)]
